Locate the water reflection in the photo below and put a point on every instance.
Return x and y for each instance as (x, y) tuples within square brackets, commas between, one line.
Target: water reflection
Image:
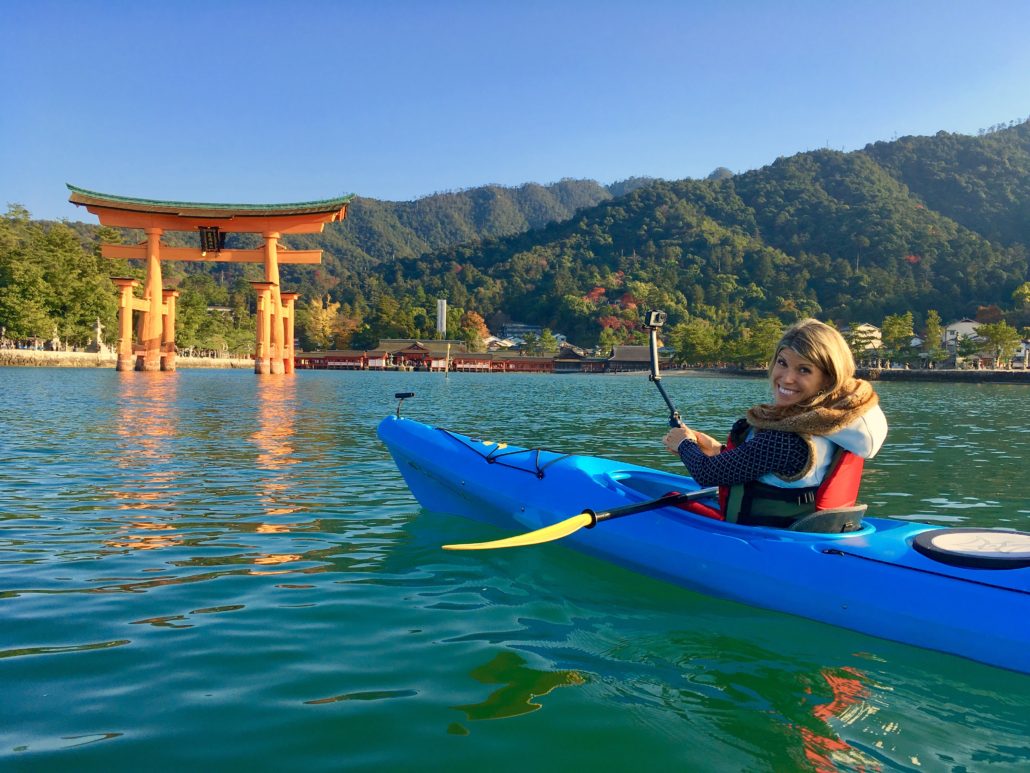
[(147, 428), (521, 686), (274, 439), (145, 405), (824, 749), (147, 540)]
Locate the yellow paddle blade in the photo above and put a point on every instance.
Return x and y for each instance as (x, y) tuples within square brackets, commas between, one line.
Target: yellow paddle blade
[(546, 534)]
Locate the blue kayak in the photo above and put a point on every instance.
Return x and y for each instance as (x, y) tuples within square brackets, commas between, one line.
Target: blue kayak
[(880, 579)]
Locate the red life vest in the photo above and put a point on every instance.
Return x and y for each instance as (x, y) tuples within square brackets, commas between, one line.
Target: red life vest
[(838, 489)]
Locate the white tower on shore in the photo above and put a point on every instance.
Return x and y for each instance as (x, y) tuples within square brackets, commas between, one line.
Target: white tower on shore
[(441, 317)]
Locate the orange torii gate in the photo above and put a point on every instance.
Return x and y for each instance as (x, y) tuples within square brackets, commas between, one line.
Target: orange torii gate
[(157, 306)]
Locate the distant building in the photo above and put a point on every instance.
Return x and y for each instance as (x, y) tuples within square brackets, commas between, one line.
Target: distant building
[(420, 355), (1021, 359), (519, 330), (572, 359), (493, 343), (412, 354), (625, 358), (390, 353), (336, 359), (956, 331)]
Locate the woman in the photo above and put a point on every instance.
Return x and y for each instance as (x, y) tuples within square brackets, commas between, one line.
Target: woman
[(803, 451)]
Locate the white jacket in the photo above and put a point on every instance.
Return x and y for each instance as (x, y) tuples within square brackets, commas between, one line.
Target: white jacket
[(863, 437)]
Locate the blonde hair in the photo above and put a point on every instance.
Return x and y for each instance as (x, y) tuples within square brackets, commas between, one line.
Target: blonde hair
[(821, 345)]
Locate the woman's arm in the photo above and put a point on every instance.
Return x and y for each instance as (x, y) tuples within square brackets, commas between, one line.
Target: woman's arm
[(783, 453)]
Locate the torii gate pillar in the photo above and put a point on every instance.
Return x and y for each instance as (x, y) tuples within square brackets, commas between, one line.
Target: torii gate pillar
[(263, 358), (152, 322), (168, 330), (289, 356), (275, 303), (126, 303)]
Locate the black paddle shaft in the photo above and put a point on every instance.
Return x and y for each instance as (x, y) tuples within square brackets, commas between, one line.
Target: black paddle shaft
[(672, 498)]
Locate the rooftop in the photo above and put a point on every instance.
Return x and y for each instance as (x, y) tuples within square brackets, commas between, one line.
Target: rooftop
[(83, 197)]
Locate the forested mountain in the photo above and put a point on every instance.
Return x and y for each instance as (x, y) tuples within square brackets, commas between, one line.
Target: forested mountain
[(382, 231), (980, 182), (921, 223)]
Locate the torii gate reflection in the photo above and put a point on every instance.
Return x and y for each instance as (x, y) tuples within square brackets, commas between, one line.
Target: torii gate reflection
[(156, 350)]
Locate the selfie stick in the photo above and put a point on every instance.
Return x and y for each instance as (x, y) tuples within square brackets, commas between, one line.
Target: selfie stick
[(653, 321)]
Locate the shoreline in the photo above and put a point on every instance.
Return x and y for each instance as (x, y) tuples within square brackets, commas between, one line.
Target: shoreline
[(935, 375), (947, 375), (34, 358)]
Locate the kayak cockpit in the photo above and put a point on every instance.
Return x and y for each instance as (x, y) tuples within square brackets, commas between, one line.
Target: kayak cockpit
[(652, 483)]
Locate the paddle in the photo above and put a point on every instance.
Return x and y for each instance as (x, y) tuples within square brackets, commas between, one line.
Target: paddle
[(587, 519)]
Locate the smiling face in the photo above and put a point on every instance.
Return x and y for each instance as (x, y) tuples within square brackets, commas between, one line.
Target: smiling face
[(795, 379)]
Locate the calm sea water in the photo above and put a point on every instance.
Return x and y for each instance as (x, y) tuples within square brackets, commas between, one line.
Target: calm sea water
[(216, 570)]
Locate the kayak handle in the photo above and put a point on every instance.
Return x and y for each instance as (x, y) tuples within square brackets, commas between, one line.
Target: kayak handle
[(401, 397)]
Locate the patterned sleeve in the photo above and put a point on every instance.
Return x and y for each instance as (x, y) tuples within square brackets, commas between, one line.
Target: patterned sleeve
[(784, 453)]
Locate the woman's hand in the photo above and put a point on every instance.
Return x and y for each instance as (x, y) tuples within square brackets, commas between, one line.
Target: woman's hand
[(676, 436)]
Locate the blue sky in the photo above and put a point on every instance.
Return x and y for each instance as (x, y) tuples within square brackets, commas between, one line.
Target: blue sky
[(271, 102)]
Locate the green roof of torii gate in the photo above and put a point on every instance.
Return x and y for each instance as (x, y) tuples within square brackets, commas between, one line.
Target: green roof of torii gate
[(193, 208)]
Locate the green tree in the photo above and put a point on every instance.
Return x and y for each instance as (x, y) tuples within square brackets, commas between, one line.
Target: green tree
[(1002, 340), (696, 341), (607, 341), (454, 315), (50, 282), (190, 316), (1021, 296), (862, 342), (23, 299), (24, 292), (967, 346), (753, 346), (80, 291), (317, 323), (548, 343), (934, 336), (531, 344), (390, 319), (897, 333)]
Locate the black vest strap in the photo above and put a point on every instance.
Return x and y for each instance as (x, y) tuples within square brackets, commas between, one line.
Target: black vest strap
[(802, 498), (797, 496)]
